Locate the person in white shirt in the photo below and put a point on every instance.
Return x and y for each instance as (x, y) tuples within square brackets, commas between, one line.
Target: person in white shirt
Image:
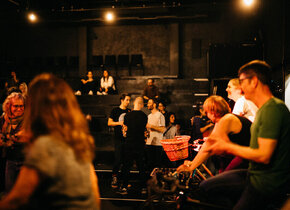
[(107, 84), (156, 128), (243, 107)]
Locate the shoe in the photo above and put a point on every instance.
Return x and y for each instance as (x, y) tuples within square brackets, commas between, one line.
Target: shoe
[(114, 183), (123, 191), (91, 93), (104, 93), (99, 93), (144, 191), (78, 93)]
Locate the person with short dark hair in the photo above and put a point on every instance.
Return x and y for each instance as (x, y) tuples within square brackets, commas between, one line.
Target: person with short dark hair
[(268, 176), (57, 172), (156, 128), (119, 139), (151, 91)]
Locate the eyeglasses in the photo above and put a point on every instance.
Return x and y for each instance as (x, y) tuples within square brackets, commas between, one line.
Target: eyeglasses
[(18, 106), (241, 80)]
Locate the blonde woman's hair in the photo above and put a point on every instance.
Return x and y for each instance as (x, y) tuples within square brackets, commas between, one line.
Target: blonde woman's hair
[(52, 109)]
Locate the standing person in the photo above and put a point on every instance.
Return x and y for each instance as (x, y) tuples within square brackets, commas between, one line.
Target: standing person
[(11, 142), (171, 127), (150, 91), (156, 128), (107, 84), (58, 171), (268, 177), (118, 138), (134, 146), (242, 107)]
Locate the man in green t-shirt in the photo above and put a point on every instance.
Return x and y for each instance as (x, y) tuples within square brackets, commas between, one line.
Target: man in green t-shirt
[(268, 176)]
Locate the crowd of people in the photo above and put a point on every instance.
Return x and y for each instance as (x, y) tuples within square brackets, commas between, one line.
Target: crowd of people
[(47, 149)]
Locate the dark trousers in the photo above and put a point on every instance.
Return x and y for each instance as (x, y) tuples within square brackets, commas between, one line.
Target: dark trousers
[(129, 155), (154, 156), (233, 189), (118, 156), (11, 173)]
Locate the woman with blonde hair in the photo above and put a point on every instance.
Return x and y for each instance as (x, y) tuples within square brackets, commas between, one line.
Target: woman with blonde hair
[(227, 126), (57, 171)]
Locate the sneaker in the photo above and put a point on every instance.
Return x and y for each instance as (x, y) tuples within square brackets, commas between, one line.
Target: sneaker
[(104, 93), (144, 191), (123, 191), (91, 93), (114, 183), (78, 93), (99, 93)]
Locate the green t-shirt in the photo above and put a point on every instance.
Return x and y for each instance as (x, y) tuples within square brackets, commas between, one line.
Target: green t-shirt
[(272, 122)]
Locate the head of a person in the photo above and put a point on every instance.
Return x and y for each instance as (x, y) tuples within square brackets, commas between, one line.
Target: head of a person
[(105, 73), (152, 104), (23, 88), (52, 109), (90, 74), (150, 82), (234, 89), (255, 70), (13, 73), (138, 103), (171, 117), (216, 107), (161, 107), (14, 105), (125, 99)]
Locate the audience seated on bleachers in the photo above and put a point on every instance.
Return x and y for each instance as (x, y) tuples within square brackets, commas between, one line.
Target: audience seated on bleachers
[(87, 86), (107, 84), (150, 91)]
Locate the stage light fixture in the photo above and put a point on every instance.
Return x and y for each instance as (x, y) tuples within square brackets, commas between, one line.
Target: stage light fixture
[(110, 16), (248, 3), (32, 17)]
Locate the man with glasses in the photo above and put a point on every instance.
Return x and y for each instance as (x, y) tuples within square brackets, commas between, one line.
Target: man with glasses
[(267, 179), (11, 143)]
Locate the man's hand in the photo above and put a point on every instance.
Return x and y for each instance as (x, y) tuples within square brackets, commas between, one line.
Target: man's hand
[(217, 146)]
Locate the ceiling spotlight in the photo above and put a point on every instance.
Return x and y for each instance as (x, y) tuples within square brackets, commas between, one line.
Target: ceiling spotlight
[(248, 2), (32, 17), (109, 16)]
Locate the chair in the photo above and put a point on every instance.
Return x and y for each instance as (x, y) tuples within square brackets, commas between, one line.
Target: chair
[(136, 65), (123, 65)]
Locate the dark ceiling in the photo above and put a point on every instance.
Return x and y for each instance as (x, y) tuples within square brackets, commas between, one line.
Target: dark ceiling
[(91, 11)]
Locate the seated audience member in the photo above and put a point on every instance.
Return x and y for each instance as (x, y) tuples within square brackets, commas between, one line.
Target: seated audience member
[(11, 142), (12, 82), (231, 127), (58, 171), (134, 145), (24, 89), (267, 179), (88, 85), (150, 91), (171, 128), (242, 107), (201, 125), (107, 84)]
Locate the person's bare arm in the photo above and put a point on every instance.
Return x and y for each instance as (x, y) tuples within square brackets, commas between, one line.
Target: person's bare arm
[(262, 154), (111, 122), (160, 129), (94, 180), (226, 125), (26, 183)]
